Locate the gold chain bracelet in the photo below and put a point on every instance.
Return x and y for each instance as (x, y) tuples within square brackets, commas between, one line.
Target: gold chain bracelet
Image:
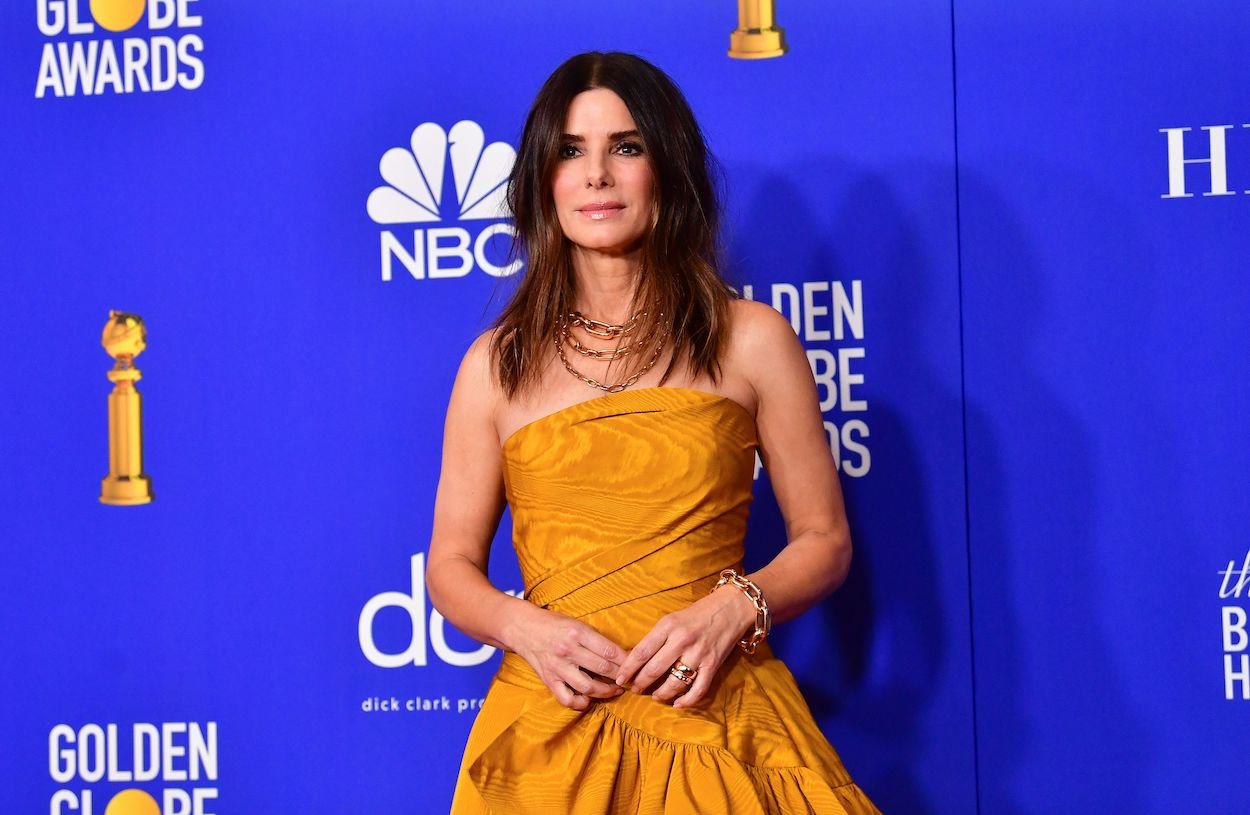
[(763, 617)]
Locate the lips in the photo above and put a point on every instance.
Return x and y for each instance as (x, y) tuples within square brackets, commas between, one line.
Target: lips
[(600, 210)]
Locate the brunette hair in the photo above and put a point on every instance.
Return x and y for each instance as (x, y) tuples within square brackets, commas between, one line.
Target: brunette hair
[(680, 275)]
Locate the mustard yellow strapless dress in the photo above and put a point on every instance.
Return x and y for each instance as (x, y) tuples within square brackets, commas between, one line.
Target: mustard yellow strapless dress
[(625, 508)]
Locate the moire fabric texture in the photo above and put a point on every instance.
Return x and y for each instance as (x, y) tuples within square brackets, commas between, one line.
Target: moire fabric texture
[(626, 508)]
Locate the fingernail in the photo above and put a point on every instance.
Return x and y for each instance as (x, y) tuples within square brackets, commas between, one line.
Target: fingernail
[(620, 680)]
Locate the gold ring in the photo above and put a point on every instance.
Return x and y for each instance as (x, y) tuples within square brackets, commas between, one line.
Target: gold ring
[(683, 673)]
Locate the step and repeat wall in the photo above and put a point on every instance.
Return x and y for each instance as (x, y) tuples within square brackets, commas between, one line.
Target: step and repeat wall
[(1104, 196), (1011, 238)]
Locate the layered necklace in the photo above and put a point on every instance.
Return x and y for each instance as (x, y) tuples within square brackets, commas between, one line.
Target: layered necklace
[(606, 331)]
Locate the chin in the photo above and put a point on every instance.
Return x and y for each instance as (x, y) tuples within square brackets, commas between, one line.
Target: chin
[(611, 251), (615, 243)]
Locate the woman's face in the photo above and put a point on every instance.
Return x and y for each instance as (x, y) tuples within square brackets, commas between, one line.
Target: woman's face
[(603, 184)]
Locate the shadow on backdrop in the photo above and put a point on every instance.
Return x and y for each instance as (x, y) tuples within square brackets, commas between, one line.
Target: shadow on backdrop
[(867, 657)]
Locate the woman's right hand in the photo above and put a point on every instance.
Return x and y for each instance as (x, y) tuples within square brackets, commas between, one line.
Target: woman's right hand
[(571, 658)]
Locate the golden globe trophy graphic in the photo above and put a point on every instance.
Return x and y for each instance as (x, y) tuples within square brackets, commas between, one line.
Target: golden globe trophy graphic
[(758, 35), (126, 484)]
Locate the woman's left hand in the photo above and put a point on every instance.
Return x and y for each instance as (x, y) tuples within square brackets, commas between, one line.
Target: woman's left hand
[(700, 636)]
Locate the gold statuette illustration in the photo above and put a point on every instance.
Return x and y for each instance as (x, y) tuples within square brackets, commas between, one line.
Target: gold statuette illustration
[(125, 338), (758, 35)]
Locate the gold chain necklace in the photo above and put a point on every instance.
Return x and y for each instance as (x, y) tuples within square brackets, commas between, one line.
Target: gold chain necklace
[(600, 353), (603, 330), (606, 330)]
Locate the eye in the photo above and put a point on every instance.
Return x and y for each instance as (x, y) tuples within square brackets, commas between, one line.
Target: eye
[(629, 148), (567, 151)]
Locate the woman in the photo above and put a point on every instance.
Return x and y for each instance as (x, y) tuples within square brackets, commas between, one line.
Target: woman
[(635, 676)]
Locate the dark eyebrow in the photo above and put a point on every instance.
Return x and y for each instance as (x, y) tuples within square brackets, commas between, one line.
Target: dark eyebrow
[(623, 134)]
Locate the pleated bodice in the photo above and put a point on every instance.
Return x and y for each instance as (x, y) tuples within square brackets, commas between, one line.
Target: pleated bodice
[(626, 506)]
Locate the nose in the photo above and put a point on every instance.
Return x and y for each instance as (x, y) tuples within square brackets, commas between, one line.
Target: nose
[(597, 175)]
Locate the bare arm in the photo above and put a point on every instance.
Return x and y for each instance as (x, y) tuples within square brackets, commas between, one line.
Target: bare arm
[(795, 451), (467, 510), (804, 477), (563, 651)]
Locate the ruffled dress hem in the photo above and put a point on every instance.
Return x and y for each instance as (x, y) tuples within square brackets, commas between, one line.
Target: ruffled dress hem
[(622, 769)]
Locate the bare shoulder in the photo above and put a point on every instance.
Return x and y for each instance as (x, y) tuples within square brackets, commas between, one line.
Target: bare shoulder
[(476, 393), (764, 348), (758, 324), (477, 356)]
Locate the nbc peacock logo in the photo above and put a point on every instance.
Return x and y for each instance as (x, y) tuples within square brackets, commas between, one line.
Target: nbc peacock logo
[(418, 192)]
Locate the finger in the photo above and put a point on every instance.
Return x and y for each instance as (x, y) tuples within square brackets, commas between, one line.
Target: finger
[(672, 688), (594, 663), (603, 690), (601, 646), (660, 664), (638, 657), (567, 696), (606, 690), (584, 684), (695, 693)]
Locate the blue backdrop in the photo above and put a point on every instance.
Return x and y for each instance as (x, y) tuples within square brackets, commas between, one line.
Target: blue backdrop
[(1011, 238)]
